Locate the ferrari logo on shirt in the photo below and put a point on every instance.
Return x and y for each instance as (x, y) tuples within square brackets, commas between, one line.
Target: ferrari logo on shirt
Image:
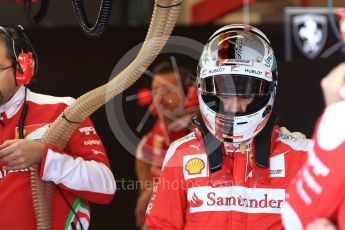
[(277, 166), (251, 157), (33, 132)]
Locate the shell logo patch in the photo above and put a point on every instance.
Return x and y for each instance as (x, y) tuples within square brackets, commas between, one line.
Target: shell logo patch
[(194, 166)]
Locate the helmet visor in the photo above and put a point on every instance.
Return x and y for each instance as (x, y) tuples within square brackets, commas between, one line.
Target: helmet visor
[(235, 85)]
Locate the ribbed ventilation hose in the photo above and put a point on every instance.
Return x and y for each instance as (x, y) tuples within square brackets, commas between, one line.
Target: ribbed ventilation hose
[(102, 19), (163, 20)]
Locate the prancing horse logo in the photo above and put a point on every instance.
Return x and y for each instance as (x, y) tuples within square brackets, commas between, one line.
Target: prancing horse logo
[(310, 33)]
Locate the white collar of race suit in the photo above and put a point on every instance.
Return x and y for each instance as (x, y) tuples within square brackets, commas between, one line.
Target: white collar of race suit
[(11, 107), (232, 147)]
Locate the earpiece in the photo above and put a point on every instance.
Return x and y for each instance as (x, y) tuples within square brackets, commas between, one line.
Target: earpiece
[(144, 98), (190, 101), (25, 65), (24, 68)]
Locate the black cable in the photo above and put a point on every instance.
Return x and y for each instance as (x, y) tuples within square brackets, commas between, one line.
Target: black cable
[(177, 4), (73, 226), (231, 155), (70, 206), (332, 21), (40, 14), (42, 11), (73, 122), (102, 19), (23, 116)]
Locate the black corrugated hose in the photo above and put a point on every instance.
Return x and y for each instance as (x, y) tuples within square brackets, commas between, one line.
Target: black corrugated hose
[(332, 21), (102, 19)]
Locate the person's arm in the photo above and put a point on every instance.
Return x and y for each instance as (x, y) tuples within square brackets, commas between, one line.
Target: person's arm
[(320, 181), (321, 224), (317, 190), (18, 154), (83, 168), (333, 85)]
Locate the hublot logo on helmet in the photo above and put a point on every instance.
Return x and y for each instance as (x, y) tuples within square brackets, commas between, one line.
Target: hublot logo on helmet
[(252, 71), (217, 70)]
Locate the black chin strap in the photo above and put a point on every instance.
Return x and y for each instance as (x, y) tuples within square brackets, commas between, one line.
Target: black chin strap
[(263, 143), (214, 146), (23, 115)]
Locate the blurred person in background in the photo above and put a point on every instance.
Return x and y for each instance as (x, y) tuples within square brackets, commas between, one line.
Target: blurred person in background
[(174, 102)]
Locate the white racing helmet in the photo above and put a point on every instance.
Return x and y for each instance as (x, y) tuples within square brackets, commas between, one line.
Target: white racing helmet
[(237, 61)]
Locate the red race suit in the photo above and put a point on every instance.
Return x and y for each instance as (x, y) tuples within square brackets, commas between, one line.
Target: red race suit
[(81, 171), (240, 195), (319, 187)]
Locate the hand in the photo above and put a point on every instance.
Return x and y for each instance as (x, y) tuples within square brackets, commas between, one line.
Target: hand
[(140, 209), (332, 83), (321, 224), (20, 154)]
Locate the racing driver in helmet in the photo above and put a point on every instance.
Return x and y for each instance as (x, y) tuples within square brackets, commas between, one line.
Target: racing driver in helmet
[(233, 170)]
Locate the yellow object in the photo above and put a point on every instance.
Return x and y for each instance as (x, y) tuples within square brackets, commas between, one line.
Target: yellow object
[(242, 147), (195, 166)]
